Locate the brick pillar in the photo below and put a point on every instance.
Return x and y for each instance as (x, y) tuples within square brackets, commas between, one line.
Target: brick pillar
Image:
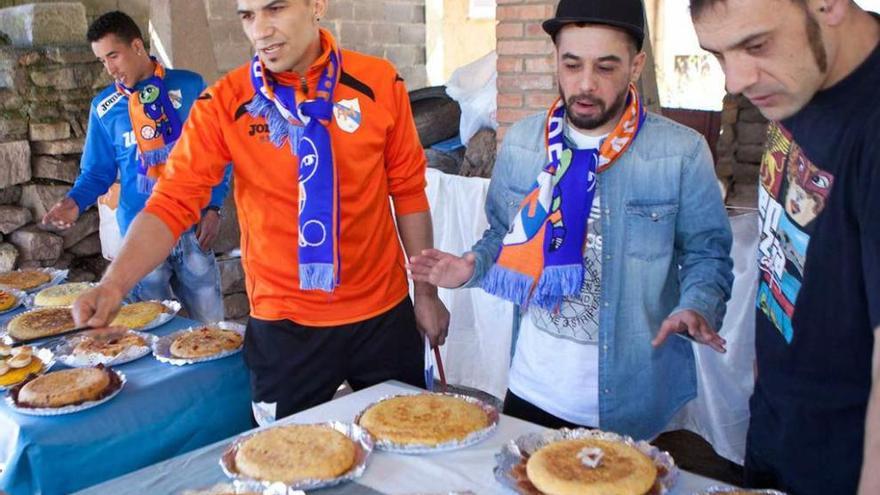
[(526, 60)]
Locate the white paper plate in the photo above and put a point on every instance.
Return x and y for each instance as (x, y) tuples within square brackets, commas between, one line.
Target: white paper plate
[(58, 411), (64, 352), (162, 345)]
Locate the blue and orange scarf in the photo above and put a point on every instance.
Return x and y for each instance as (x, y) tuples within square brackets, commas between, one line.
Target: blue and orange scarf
[(541, 260), (155, 124), (304, 124)]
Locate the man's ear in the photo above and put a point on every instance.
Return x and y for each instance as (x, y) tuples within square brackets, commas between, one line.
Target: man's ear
[(638, 66), (829, 12)]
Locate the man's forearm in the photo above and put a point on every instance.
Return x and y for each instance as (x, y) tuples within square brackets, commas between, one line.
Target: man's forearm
[(870, 481), (147, 244), (417, 234)]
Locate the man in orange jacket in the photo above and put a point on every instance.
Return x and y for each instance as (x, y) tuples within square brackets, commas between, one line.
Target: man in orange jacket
[(320, 139)]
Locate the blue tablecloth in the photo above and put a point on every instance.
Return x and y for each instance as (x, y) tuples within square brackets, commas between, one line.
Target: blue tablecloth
[(163, 411)]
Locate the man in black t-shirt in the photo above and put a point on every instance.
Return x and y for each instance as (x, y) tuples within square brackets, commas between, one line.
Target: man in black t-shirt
[(813, 68)]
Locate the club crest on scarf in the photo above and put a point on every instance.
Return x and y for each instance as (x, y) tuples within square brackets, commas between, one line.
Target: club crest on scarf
[(304, 125), (155, 123), (541, 257)]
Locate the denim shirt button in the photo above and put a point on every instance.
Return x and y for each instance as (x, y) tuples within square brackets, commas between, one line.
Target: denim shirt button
[(607, 257), (607, 391), (607, 211), (654, 216), (606, 304)]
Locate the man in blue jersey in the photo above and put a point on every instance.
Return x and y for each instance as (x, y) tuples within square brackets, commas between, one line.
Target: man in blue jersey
[(133, 125)]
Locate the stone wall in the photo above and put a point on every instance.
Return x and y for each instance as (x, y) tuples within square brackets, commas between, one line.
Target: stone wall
[(45, 95), (740, 148), (44, 106), (393, 29)]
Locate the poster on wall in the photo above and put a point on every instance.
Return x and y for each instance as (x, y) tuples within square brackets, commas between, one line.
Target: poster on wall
[(481, 9)]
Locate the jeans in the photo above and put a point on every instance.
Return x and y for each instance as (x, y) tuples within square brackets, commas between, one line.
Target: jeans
[(189, 273)]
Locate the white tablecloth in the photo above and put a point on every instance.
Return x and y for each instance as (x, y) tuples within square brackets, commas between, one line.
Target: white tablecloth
[(477, 353), (466, 469)]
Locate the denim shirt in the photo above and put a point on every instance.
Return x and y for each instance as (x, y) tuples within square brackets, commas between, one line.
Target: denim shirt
[(666, 248)]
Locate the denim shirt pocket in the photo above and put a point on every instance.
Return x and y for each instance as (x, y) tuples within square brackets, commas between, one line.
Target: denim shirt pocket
[(650, 229)]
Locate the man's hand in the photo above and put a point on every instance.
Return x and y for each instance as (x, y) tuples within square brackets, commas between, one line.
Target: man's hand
[(442, 269), (695, 325), (62, 215), (432, 318), (208, 228), (97, 307)]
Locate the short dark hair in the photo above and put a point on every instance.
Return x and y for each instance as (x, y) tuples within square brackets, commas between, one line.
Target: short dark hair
[(117, 23), (699, 6)]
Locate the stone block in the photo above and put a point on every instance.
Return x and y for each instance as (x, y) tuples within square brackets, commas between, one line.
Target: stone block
[(750, 133), (39, 198), (13, 127), (62, 78), (86, 225), (13, 217), (10, 195), (60, 147), (89, 246), (236, 306), (231, 275), (40, 24), (36, 245), (15, 163), (750, 153), (10, 100), (60, 169), (69, 54), (51, 131), (8, 257)]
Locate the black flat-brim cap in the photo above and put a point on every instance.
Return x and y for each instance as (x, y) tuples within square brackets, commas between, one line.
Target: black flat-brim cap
[(628, 15)]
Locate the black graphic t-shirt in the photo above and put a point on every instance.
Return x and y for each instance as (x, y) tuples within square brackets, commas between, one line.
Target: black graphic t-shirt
[(819, 289)]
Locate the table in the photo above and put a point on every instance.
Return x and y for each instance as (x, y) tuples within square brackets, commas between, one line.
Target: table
[(162, 411), (467, 469)]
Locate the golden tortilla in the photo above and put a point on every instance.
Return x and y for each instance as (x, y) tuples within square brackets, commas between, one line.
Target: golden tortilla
[(424, 419), (61, 295), (296, 452), (556, 469), (65, 388), (39, 323), (24, 279), (137, 315)]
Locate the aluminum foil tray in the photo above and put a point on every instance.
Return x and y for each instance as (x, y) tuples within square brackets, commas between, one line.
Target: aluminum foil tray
[(512, 455), (363, 445)]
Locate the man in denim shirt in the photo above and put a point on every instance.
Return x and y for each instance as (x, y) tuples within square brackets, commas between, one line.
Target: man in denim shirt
[(622, 241), (113, 149)]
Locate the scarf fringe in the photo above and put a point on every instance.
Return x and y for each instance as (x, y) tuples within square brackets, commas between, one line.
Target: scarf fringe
[(508, 284), (145, 184), (279, 128), (157, 157), (556, 283), (317, 276)]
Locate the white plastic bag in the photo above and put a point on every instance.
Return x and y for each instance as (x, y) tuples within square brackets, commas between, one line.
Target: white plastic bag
[(473, 87), (108, 230)]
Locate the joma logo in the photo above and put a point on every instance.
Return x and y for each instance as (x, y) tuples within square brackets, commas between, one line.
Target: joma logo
[(258, 129)]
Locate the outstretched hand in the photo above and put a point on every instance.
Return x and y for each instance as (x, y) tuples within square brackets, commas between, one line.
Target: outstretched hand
[(695, 325), (442, 269)]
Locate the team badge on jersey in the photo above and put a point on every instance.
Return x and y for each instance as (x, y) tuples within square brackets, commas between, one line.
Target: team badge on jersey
[(348, 114), (176, 97)]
